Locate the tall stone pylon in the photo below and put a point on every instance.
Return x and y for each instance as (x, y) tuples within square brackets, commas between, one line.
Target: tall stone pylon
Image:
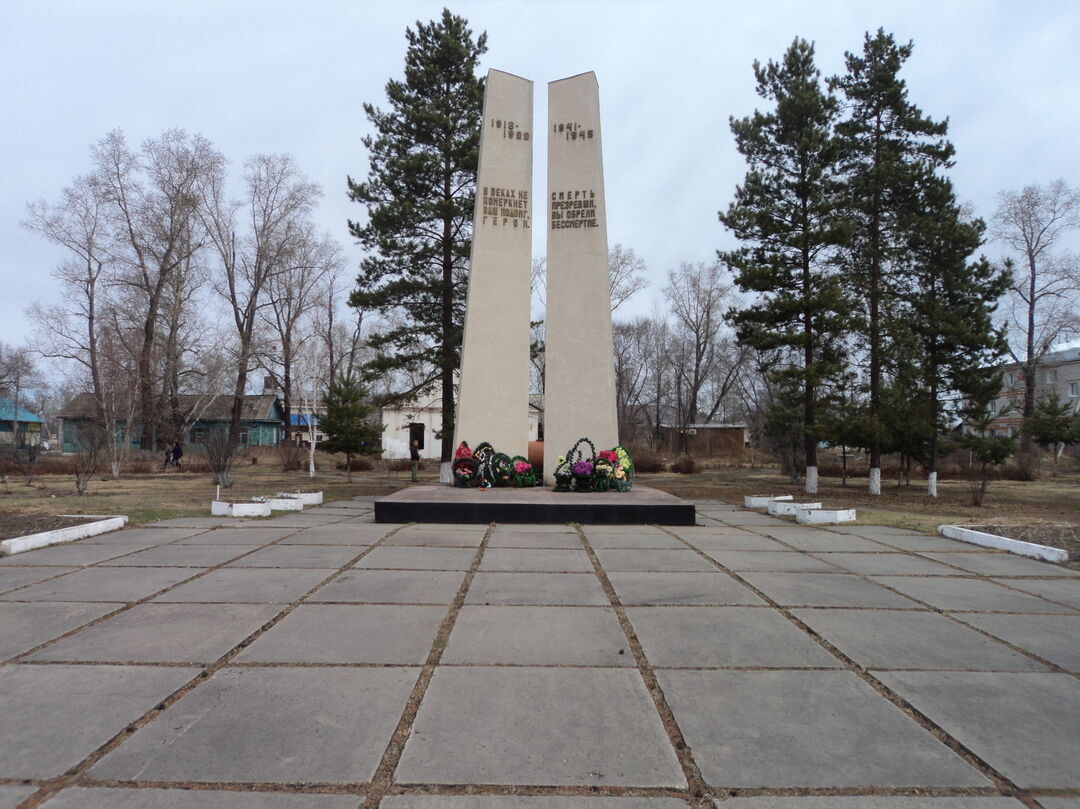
[(579, 362), (493, 399)]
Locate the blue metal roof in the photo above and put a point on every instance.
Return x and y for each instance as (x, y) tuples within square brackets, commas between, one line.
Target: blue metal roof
[(7, 412)]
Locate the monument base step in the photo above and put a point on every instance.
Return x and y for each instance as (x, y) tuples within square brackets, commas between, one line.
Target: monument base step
[(446, 504)]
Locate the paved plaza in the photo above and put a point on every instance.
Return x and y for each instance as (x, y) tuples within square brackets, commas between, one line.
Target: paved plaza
[(321, 661)]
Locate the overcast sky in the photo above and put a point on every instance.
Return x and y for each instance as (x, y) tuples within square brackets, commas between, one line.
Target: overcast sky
[(273, 76)]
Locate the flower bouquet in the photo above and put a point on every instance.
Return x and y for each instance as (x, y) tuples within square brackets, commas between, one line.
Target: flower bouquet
[(623, 474), (524, 475), (604, 471), (464, 466)]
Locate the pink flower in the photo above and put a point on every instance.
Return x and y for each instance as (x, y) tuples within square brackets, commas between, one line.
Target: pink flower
[(609, 455), (521, 467)]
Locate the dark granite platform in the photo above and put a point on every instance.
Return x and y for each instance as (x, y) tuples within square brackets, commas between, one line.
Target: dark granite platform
[(447, 504)]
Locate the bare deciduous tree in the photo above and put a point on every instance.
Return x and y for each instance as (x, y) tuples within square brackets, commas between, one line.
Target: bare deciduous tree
[(1041, 309), (275, 214)]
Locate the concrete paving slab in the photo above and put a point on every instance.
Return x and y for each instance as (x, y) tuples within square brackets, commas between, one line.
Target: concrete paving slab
[(826, 590), (878, 802), (276, 725), (393, 587), (634, 540), (533, 560), (190, 522), (10, 797), (1053, 637), (751, 518), (1024, 725), (655, 560), (120, 584), (1064, 591), (1060, 803), (349, 633), (534, 528), (537, 589), (585, 727), (439, 535), (623, 529), (902, 639), (39, 736), (24, 626), (304, 520), (240, 536), (817, 539), (732, 540), (182, 556), (805, 729), (978, 595), (142, 536), (535, 539), (320, 556), (995, 563), (163, 633), (525, 802), (72, 554), (875, 531), (337, 535), (11, 577), (676, 637), (884, 564), (538, 636), (778, 561), (247, 585), (419, 558), (921, 543), (662, 589), (118, 798)]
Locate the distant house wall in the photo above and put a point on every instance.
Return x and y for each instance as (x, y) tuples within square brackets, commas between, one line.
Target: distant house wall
[(395, 437), (29, 433), (1058, 372), (708, 441)]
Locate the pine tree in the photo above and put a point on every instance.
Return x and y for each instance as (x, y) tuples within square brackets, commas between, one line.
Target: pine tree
[(945, 311), (786, 214), (1053, 423), (889, 146), (419, 197), (345, 422)]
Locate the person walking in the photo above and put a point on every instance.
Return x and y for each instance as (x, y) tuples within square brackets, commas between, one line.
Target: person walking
[(177, 454), (414, 455)]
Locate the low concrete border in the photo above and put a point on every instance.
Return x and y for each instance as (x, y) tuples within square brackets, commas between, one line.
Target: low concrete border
[(787, 508), (1043, 552), (287, 503), (762, 501), (222, 508), (307, 498), (103, 524), (824, 516)]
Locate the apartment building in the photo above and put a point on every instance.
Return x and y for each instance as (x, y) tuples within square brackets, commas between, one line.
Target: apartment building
[(1058, 371)]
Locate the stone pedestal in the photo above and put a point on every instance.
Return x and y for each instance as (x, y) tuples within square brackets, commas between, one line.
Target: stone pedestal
[(579, 377), (493, 403)]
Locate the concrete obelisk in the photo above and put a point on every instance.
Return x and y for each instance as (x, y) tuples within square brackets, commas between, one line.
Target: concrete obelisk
[(579, 372), (493, 401)]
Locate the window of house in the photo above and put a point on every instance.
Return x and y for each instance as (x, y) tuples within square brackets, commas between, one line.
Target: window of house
[(1010, 378), (993, 406), (1051, 376), (1074, 390), (244, 435), (198, 435)]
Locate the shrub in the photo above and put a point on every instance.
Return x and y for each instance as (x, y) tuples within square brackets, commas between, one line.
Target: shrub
[(293, 457), (646, 460), (684, 466), (360, 463)]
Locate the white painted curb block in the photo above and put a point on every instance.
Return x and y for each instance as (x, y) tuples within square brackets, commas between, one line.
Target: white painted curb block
[(72, 532), (289, 503), (1043, 552), (762, 501), (788, 508), (307, 498), (825, 516), (219, 508)]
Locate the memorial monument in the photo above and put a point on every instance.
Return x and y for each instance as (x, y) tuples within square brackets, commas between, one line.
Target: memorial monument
[(579, 373), (493, 399)]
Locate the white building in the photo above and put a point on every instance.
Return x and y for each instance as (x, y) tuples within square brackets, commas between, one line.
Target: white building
[(421, 419)]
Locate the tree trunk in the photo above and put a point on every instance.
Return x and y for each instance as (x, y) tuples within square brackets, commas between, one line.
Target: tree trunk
[(447, 350)]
